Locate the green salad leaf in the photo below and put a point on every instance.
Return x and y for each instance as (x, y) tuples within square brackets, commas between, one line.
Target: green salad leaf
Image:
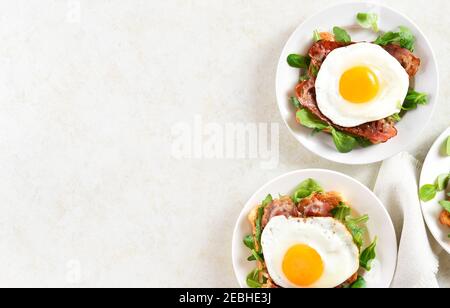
[(341, 212), (256, 256), (341, 35), (344, 143), (359, 284), (368, 255), (249, 242), (407, 38), (387, 38), (267, 201), (254, 242), (251, 258), (368, 20), (445, 204), (354, 225), (442, 181), (363, 142), (428, 192), (253, 280), (307, 119), (447, 147), (261, 209), (413, 99), (314, 70), (299, 61), (296, 103), (316, 36), (306, 189), (304, 77), (404, 37), (258, 229), (396, 117)]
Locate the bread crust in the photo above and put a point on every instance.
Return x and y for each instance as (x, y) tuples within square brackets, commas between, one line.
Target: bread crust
[(444, 218)]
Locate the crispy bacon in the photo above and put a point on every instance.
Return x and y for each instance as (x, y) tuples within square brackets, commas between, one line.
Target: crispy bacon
[(407, 59), (376, 132), (444, 218), (349, 281), (319, 204), (280, 207), (321, 49)]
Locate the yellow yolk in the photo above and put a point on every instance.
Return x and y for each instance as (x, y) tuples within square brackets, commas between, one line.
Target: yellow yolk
[(359, 85), (302, 265)]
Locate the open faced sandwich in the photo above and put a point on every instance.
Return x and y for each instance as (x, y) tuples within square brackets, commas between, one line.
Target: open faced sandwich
[(311, 239)]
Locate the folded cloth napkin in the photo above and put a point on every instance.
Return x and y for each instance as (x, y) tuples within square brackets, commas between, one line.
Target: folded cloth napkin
[(397, 187)]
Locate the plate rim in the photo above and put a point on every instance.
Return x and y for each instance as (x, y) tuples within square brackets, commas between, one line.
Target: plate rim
[(433, 58), (243, 213), (424, 204)]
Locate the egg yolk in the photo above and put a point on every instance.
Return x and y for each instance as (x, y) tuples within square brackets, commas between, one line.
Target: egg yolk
[(302, 265), (359, 85)]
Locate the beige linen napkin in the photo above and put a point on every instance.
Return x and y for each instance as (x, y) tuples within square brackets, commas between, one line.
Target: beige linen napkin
[(397, 187)]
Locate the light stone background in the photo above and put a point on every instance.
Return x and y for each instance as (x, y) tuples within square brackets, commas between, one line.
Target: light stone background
[(89, 92)]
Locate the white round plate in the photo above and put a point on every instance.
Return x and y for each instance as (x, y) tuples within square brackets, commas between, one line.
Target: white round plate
[(344, 15), (436, 163), (362, 201)]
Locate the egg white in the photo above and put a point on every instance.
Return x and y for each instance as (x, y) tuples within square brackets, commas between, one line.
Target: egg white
[(393, 79), (329, 237)]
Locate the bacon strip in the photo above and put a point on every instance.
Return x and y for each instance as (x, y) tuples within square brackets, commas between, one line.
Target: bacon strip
[(407, 59), (319, 204), (280, 207), (321, 49), (376, 132)]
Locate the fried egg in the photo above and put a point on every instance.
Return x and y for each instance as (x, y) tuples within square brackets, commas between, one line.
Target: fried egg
[(309, 252), (360, 83)]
